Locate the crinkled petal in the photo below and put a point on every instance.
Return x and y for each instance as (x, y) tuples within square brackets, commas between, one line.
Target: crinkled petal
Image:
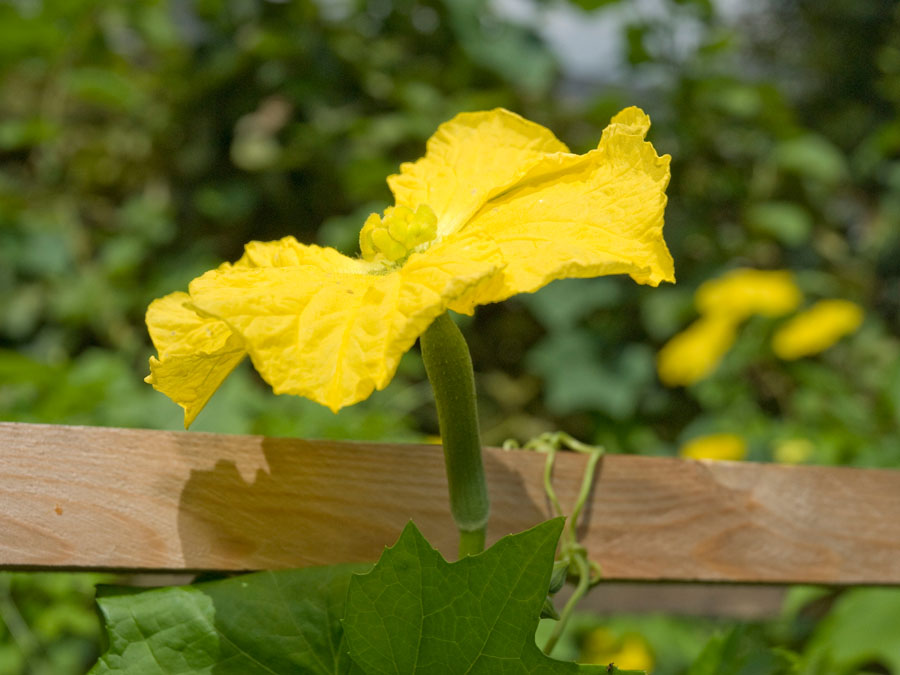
[(288, 252), (195, 353), (321, 327), (595, 214), (470, 159)]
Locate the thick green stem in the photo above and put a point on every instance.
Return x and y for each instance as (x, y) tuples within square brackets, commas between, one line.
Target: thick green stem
[(449, 368), (471, 541)]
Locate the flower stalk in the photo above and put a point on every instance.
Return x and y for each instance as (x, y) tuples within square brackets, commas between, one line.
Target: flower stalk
[(449, 367)]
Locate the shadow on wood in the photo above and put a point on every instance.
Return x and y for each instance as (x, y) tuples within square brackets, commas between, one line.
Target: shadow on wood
[(83, 497)]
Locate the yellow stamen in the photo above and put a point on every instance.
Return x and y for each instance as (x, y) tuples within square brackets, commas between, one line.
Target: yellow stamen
[(394, 236)]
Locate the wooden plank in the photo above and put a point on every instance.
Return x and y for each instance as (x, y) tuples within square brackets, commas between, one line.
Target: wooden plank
[(83, 497)]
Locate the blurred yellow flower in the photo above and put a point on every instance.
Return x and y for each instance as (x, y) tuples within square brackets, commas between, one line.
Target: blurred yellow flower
[(723, 304), (629, 652), (695, 352), (743, 293), (715, 446), (794, 450), (497, 206), (817, 329)]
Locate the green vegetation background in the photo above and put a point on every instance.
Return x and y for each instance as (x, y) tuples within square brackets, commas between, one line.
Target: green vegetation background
[(143, 142)]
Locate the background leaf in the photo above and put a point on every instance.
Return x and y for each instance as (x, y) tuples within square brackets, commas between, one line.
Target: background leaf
[(269, 622), (860, 632), (742, 651)]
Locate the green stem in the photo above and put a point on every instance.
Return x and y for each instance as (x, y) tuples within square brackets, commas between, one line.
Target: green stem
[(449, 367), (471, 542)]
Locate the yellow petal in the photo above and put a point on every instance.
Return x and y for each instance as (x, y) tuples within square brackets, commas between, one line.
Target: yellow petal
[(324, 328), (195, 353), (695, 352), (288, 252), (468, 160), (716, 447), (817, 329), (744, 292), (596, 214)]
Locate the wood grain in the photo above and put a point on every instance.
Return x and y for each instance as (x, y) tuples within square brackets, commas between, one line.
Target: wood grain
[(100, 498)]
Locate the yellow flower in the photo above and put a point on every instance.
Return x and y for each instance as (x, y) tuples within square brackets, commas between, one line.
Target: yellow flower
[(744, 292), (794, 450), (629, 652), (715, 446), (696, 351), (497, 206), (724, 303), (817, 329)]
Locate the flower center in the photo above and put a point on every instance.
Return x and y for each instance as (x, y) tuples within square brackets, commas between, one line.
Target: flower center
[(394, 236)]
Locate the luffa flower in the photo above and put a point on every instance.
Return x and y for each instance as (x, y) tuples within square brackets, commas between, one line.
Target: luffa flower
[(724, 304), (497, 206), (817, 328)]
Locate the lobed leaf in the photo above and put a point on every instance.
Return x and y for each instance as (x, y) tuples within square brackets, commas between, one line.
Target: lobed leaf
[(264, 623), (417, 613)]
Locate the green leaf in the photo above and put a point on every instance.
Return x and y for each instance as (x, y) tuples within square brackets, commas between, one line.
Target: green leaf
[(861, 630), (104, 87), (562, 304), (812, 156), (269, 622), (743, 651), (417, 613), (790, 223), (588, 383), (591, 5), (512, 51)]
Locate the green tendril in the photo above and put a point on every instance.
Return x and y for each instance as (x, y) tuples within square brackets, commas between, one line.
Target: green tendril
[(571, 552)]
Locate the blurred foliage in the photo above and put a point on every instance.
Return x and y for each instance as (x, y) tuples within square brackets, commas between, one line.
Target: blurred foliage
[(144, 142), (47, 626), (819, 632)]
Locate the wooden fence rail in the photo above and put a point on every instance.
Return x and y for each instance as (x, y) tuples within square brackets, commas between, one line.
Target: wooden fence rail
[(99, 498)]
